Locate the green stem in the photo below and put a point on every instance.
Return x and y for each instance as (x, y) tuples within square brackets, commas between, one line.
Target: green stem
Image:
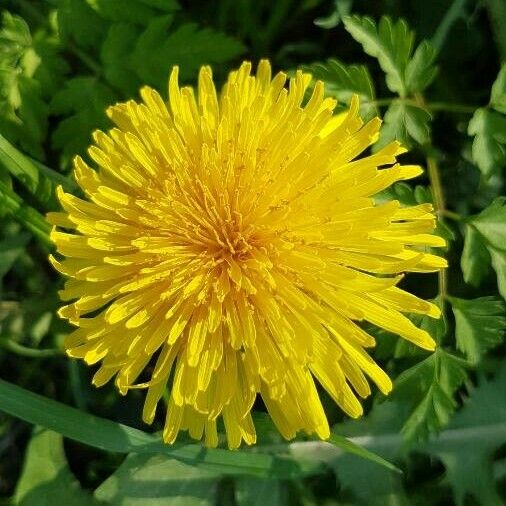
[(439, 205), (25, 351), (451, 16), (429, 106), (497, 15), (452, 215), (26, 215)]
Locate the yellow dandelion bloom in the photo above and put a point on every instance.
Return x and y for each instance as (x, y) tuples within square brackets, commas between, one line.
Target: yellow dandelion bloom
[(229, 244)]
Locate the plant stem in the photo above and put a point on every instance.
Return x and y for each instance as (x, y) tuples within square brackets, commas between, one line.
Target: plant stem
[(429, 106), (439, 206), (452, 15), (452, 215), (497, 15), (25, 351)]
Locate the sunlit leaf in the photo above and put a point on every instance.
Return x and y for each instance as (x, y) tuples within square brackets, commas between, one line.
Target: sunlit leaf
[(46, 477), (480, 324)]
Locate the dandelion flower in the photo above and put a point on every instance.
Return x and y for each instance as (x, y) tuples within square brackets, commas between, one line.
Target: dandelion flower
[(229, 246)]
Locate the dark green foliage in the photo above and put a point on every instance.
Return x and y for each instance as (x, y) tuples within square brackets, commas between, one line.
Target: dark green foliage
[(440, 91)]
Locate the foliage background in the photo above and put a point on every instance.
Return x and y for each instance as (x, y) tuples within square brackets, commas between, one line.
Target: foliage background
[(63, 61)]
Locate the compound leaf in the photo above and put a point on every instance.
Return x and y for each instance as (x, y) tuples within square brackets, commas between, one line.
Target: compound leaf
[(158, 50), (430, 387), (82, 103), (405, 123), (344, 81), (480, 325)]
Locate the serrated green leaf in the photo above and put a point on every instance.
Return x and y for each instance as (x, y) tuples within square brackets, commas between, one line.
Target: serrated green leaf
[(15, 38), (480, 325), (390, 42), (489, 146), (115, 54), (430, 387), (467, 446), (344, 81), (379, 433), (114, 10), (498, 94), (156, 480), (158, 50), (23, 113), (84, 101), (475, 260), (79, 22), (490, 224), (404, 122), (498, 258), (420, 70), (46, 477), (50, 67)]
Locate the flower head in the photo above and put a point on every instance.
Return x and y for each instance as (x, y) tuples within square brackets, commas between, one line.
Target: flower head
[(229, 244)]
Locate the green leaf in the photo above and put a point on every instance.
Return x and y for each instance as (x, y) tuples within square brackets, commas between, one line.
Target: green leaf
[(83, 101), (430, 387), (498, 258), (115, 54), (490, 224), (344, 81), (10, 249), (420, 71), (498, 94), (14, 38), (115, 437), (391, 43), (379, 432), (467, 447), (23, 113), (475, 260), (45, 63), (156, 480), (341, 8), (114, 10), (258, 492), (29, 217), (158, 50), (37, 178), (489, 146), (405, 123), (79, 22), (480, 325), (46, 477), (350, 447)]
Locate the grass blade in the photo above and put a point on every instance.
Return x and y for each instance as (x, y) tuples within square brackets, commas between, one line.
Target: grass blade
[(25, 214), (350, 447), (115, 437)]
